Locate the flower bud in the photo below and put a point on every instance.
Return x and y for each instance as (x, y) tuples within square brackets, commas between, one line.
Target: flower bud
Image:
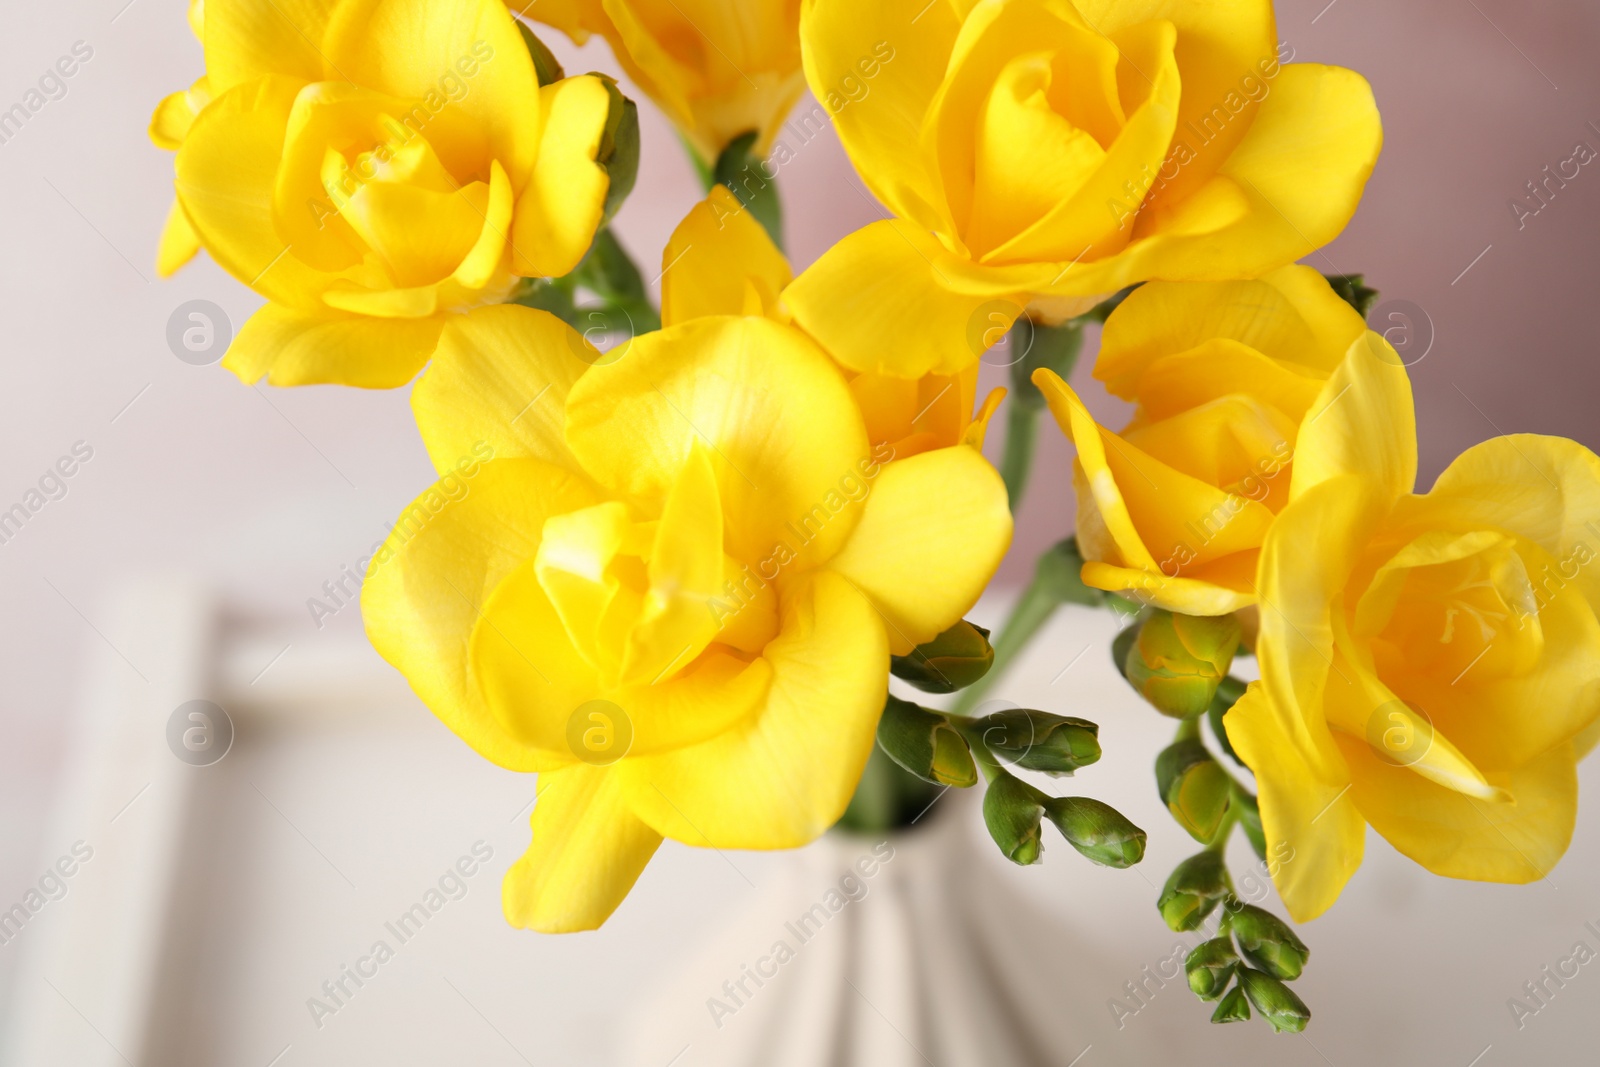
[(1193, 891), (1233, 1008), (924, 743), (1100, 832), (1012, 810), (1268, 943), (953, 660), (1194, 787), (1177, 661), (1275, 1001), (1210, 967), (1039, 741)]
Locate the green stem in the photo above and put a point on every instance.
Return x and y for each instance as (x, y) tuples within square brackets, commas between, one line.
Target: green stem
[(1052, 348), (1032, 610), (988, 766), (1219, 843), (1016, 462)]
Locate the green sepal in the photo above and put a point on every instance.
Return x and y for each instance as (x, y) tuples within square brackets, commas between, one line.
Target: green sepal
[(1210, 966), (748, 178), (1352, 289), (1100, 832), (1040, 741), (1276, 1002), (1268, 943), (619, 148), (953, 660), (545, 65), (926, 744), (1232, 1008), (1013, 811), (1194, 787), (1193, 891)]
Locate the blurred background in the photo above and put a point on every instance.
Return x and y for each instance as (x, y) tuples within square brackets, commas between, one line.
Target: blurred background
[(253, 498)]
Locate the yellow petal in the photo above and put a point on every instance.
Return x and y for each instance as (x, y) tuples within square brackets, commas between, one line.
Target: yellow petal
[(1517, 840), (909, 41), (467, 55), (500, 378), (1167, 527), (175, 114), (685, 570), (481, 264), (246, 40), (1291, 316), (426, 588), (1288, 188), (1314, 830), (588, 849), (565, 199), (179, 242), (1546, 489), (227, 175), (891, 299), (715, 256), (1362, 424), (526, 669), (1228, 58), (783, 776), (1306, 562), (294, 348), (935, 528), (775, 414)]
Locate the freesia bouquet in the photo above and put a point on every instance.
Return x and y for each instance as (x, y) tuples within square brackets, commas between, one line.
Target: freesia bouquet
[(700, 540)]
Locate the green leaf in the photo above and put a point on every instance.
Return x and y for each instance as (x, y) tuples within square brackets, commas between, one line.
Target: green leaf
[(609, 272)]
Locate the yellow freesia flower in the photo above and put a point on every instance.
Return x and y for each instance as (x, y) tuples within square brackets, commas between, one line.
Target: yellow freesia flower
[(1224, 374), (720, 261), (673, 590), (373, 168), (718, 68), (1043, 154), (1430, 664)]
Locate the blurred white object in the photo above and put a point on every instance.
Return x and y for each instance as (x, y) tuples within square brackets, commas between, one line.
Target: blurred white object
[(892, 952)]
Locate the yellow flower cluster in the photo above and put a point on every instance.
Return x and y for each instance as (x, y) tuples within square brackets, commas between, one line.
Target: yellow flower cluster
[(674, 590)]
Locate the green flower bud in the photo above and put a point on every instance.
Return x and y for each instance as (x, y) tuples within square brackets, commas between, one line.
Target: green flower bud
[(1233, 1008), (953, 660), (1275, 1001), (1210, 967), (1039, 741), (1097, 830), (1177, 661), (1012, 809), (924, 743), (1194, 787), (1268, 943), (1194, 890)]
